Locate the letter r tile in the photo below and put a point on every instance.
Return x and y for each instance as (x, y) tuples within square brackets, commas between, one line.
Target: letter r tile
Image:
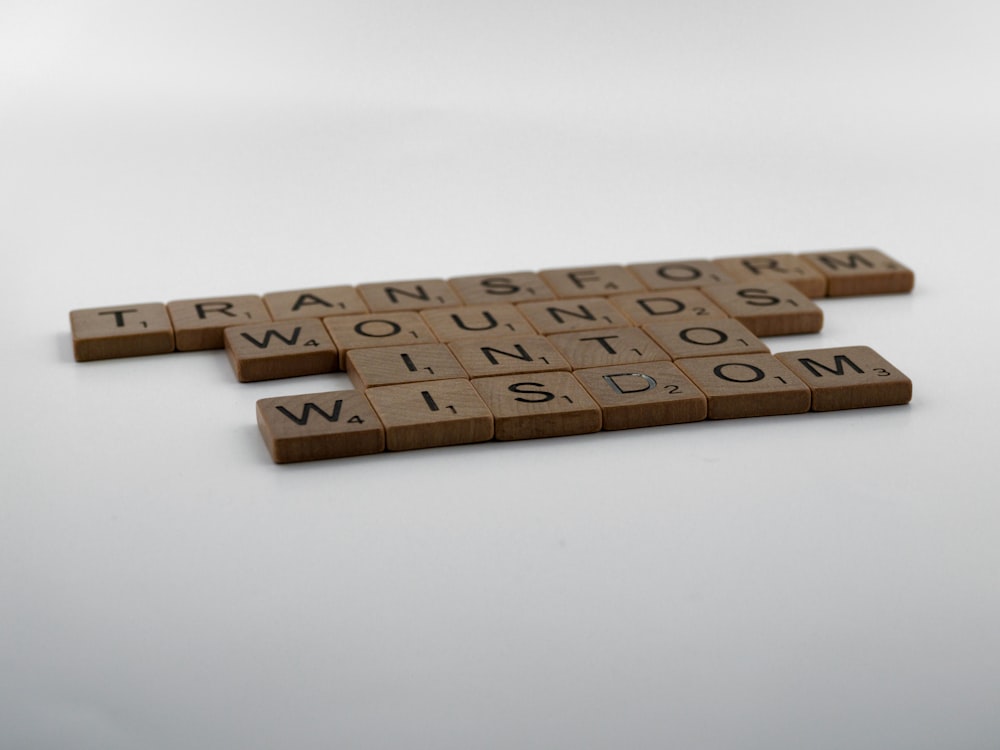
[(315, 426), (121, 331), (643, 395), (782, 267), (199, 323), (848, 377), (750, 385)]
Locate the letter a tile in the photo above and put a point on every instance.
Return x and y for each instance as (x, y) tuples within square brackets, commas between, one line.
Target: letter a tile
[(752, 385), (848, 377), (643, 395), (314, 426), (427, 415), (121, 331)]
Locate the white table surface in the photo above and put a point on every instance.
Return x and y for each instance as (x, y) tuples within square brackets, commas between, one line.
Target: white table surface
[(816, 581)]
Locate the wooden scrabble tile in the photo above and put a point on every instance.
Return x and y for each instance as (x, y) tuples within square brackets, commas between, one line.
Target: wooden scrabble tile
[(376, 329), (848, 377), (768, 309), (476, 321), (749, 385), (409, 363), (862, 271), (538, 405), (683, 338), (679, 274), (610, 346), (643, 395), (314, 426), (507, 355), (520, 286), (280, 349), (678, 304), (590, 281), (560, 316), (420, 294), (199, 323), (785, 267), (426, 415), (121, 331), (318, 302)]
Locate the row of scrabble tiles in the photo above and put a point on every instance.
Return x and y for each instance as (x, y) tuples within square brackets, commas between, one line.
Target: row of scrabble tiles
[(551, 403), (741, 286)]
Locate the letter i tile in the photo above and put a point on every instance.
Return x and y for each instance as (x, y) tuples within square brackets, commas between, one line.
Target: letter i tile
[(431, 414), (315, 426)]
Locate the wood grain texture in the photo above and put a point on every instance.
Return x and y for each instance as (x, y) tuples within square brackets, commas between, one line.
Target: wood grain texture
[(848, 377), (199, 323), (315, 302), (682, 339), (133, 330), (280, 349), (591, 281), (611, 346), (863, 271), (538, 405), (643, 395), (418, 294), (315, 426), (679, 274), (768, 309), (783, 267), (408, 363), (678, 304), (476, 321), (560, 316), (485, 289), (751, 385), (508, 355), (375, 330), (428, 415)]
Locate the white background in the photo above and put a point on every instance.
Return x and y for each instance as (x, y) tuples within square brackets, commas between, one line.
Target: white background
[(817, 581)]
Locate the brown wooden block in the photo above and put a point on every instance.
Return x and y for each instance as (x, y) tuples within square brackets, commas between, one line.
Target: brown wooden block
[(280, 349), (199, 323), (848, 377), (538, 405), (643, 395), (426, 415), (121, 331), (318, 302), (521, 286), (377, 329), (785, 267), (560, 316), (772, 309), (590, 281), (683, 338), (507, 355), (314, 426), (862, 271), (679, 304), (611, 346), (750, 385), (409, 363), (476, 321), (679, 274), (419, 294)]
